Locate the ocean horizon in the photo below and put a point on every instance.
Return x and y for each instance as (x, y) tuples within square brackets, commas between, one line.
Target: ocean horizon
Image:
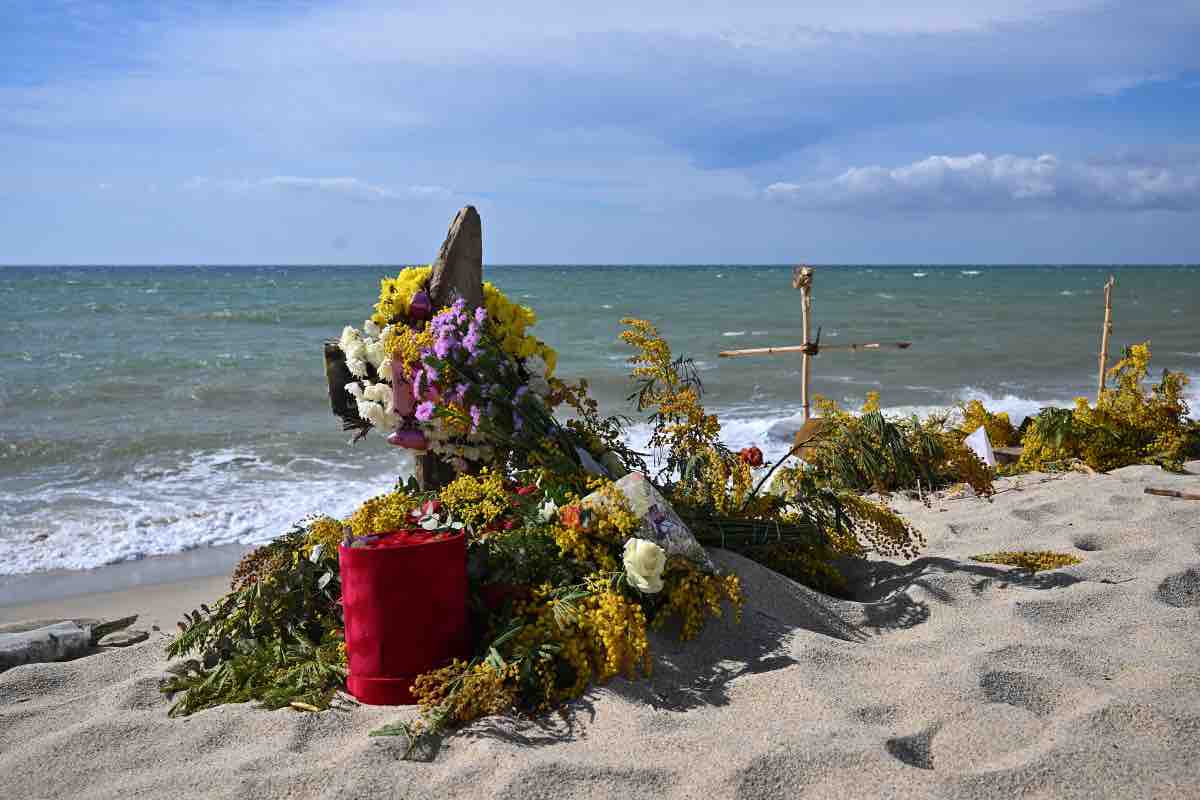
[(158, 409)]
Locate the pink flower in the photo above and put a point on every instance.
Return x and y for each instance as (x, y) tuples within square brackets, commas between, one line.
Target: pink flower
[(425, 411)]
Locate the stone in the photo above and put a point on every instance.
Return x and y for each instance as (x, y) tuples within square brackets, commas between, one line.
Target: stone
[(124, 638), (458, 271), (58, 642), (660, 523), (1008, 455)]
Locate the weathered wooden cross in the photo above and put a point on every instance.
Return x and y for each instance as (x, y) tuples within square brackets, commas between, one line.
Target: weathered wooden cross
[(802, 279)]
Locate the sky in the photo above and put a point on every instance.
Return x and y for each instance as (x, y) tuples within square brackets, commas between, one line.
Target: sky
[(838, 131)]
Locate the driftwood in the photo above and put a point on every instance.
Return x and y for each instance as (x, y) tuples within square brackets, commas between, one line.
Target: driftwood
[(1105, 332), (1172, 493)]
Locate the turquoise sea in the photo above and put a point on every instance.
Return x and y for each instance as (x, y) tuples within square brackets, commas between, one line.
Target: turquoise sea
[(148, 410)]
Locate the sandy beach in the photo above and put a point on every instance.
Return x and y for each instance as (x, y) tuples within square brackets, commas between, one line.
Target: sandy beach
[(944, 678)]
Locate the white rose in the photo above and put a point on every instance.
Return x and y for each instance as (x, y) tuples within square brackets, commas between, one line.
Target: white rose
[(349, 337), (549, 509), (644, 563)]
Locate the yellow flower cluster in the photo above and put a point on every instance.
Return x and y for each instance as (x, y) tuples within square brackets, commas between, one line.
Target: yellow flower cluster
[(1000, 430), (510, 320), (598, 637), (686, 430), (396, 293), (693, 596), (476, 500), (1129, 425), (404, 345), (461, 692), (612, 523), (1032, 560), (383, 514), (325, 531)]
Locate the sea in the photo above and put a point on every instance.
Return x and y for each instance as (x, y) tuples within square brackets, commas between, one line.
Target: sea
[(155, 410)]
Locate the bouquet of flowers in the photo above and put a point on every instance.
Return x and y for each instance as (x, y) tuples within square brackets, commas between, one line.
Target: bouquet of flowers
[(458, 382)]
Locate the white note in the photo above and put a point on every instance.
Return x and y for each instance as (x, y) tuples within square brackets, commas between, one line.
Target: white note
[(979, 442)]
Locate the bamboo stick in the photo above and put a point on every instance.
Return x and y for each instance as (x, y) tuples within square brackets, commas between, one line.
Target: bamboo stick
[(1172, 493), (1105, 332), (800, 348), (802, 278)]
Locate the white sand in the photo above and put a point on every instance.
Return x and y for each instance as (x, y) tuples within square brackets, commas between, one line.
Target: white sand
[(950, 679)]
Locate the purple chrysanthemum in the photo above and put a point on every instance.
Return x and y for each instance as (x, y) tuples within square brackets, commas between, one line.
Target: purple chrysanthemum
[(480, 315)]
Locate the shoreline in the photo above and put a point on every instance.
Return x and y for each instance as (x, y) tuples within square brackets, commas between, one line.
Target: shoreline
[(160, 588)]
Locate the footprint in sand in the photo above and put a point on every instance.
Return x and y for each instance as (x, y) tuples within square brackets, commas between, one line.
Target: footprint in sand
[(915, 750), (1036, 513), (1181, 590), (1021, 689)]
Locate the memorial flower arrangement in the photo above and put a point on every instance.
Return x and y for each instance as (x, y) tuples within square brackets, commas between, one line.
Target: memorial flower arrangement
[(575, 549)]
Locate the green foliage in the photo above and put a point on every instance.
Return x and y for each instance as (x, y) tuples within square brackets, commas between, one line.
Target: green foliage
[(1129, 425), (1031, 560), (872, 453), (275, 638)]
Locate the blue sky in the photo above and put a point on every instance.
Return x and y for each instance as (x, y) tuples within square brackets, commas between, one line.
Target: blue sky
[(350, 132)]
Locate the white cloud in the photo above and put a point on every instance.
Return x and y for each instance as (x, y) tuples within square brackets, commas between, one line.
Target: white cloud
[(980, 182), (352, 188)]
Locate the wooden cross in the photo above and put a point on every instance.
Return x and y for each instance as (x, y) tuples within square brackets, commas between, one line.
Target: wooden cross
[(802, 279)]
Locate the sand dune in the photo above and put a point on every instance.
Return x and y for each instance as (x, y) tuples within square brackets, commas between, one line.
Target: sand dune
[(944, 678)]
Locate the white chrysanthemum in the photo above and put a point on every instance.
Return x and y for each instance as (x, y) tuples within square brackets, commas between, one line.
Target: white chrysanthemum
[(371, 329), (349, 337), (376, 353), (379, 393), (354, 389), (384, 369), (357, 367)]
